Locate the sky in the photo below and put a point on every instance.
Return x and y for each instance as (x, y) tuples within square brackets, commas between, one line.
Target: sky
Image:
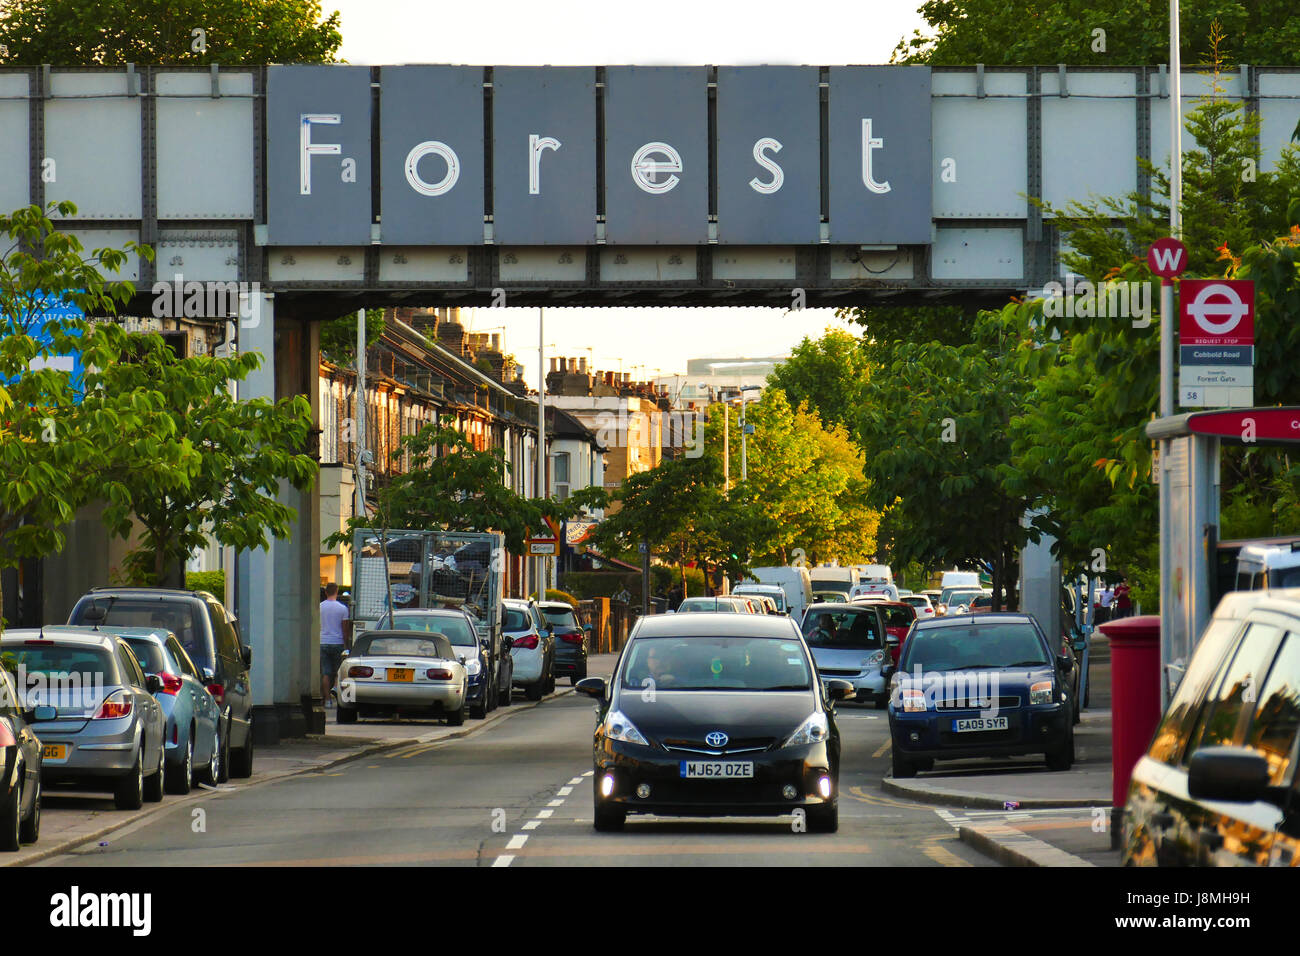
[(597, 32)]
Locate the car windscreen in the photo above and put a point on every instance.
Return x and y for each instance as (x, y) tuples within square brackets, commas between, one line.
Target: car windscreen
[(425, 645), (958, 596), (179, 617), (153, 658), (87, 664), (707, 604), (716, 663), (1284, 578), (560, 617), (455, 629), (915, 600), (516, 619), (778, 599), (898, 616), (1002, 644), (845, 627)]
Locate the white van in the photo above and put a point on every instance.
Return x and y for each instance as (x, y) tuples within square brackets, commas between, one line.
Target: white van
[(960, 579), (1268, 566), (875, 573), (795, 581), (833, 578)]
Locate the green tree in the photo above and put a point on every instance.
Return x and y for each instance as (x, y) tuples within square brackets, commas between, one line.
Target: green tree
[(241, 451), (451, 485), (826, 374), (933, 431), (59, 437), (155, 32), (1044, 32), (338, 337)]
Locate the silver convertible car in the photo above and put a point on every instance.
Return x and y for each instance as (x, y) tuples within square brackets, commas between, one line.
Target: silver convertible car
[(402, 671)]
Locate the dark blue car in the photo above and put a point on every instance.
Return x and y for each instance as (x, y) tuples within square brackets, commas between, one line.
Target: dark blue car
[(985, 685)]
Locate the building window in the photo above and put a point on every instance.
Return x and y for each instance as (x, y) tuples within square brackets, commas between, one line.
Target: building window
[(561, 479)]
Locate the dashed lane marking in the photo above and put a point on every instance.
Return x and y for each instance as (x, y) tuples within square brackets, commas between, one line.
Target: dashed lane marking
[(883, 748), (504, 860), (517, 841)]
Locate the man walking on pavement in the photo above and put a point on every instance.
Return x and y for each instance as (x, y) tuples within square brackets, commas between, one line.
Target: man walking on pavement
[(332, 616), (1123, 603), (1107, 601)]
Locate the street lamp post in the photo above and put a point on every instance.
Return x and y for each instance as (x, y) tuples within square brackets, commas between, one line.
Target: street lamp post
[(745, 430), (541, 437)]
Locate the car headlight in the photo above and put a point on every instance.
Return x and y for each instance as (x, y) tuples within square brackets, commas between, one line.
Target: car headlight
[(618, 727), (1041, 692), (472, 667), (812, 731), (874, 659), (913, 700)]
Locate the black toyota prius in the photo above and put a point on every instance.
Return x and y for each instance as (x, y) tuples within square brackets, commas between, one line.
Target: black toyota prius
[(716, 715)]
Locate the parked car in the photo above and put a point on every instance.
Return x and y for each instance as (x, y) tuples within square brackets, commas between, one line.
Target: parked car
[(921, 602), (739, 724), (192, 735), (570, 640), (832, 597), (20, 785), (1217, 786), (209, 635), (403, 671), (461, 629), (980, 686), (899, 618), (100, 723), (849, 642), (532, 644)]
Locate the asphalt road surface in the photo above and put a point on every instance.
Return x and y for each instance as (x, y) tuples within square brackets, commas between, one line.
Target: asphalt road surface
[(519, 793)]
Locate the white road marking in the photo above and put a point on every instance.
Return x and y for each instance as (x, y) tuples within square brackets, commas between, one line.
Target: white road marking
[(575, 781), (589, 773), (504, 860), (517, 841), (564, 791), (544, 814), (532, 824), (555, 803)]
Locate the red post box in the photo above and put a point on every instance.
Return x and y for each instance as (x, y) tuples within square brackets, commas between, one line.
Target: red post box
[(1134, 694)]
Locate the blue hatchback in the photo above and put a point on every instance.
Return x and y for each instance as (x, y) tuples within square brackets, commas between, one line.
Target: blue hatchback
[(983, 685)]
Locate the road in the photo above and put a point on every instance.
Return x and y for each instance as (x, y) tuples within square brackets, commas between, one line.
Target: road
[(519, 793)]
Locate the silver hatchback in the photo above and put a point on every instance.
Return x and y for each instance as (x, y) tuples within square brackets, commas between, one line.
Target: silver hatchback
[(96, 715)]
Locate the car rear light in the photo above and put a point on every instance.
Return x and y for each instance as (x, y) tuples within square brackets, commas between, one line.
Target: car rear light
[(437, 673), (6, 736), (218, 691), (527, 642), (115, 705), (36, 643), (176, 734), (571, 638), (361, 670), (171, 684)]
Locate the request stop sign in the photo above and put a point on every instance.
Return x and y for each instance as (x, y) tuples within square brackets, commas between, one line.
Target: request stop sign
[(1216, 338)]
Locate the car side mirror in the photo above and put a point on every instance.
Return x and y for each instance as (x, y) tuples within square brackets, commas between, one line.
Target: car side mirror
[(209, 675), (507, 642), (1235, 774), (891, 640), (153, 683), (839, 689), (1065, 662), (591, 687), (246, 654)]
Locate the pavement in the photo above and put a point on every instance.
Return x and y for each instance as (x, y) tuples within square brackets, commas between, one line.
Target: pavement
[(1021, 814), (71, 819)]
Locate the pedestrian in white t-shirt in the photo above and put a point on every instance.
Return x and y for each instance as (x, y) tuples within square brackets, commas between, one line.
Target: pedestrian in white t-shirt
[(332, 615)]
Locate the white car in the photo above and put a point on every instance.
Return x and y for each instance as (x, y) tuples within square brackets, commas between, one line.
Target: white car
[(388, 671), (532, 645), (924, 609)]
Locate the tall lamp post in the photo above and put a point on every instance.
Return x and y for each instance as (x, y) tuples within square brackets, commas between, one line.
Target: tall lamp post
[(541, 438), (745, 431)]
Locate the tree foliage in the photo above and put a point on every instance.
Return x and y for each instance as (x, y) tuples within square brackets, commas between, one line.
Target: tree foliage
[(827, 374), (1136, 32), (155, 32)]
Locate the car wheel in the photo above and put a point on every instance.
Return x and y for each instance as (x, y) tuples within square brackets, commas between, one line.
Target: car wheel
[(178, 779), (129, 792), (11, 825), (479, 711), (824, 819), (609, 819), (211, 774), (345, 715), (508, 696), (902, 767), (29, 831), (457, 717), (153, 785), (535, 690), (882, 702), (241, 760), (493, 696), (223, 771), (1063, 757)]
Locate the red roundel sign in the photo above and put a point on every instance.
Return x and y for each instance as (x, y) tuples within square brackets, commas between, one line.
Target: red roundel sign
[(1217, 312)]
